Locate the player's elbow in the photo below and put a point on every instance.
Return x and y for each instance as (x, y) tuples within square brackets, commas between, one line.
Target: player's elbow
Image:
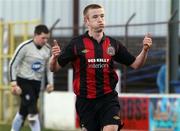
[(54, 68), (136, 65)]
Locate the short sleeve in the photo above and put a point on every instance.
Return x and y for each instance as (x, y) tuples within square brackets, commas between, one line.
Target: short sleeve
[(122, 55)]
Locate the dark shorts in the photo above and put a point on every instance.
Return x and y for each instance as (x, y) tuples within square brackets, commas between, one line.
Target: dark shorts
[(29, 96), (96, 113)]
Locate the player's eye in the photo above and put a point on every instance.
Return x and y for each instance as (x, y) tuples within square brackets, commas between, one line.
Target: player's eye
[(102, 16), (95, 16)]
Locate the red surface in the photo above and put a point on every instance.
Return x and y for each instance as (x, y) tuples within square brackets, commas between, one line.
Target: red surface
[(134, 113)]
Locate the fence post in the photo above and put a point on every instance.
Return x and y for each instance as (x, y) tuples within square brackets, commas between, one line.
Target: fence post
[(171, 55), (126, 43), (1, 39)]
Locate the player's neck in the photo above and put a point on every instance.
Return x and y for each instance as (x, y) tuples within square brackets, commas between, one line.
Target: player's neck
[(96, 35), (36, 43)]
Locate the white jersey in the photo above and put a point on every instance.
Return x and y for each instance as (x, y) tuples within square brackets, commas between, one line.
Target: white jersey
[(30, 63)]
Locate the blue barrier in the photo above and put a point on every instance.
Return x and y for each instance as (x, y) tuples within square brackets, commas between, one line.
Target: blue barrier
[(176, 86), (156, 54), (138, 78), (147, 68)]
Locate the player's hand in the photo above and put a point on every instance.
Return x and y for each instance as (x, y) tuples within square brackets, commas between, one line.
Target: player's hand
[(55, 49), (49, 88), (15, 89), (147, 42)]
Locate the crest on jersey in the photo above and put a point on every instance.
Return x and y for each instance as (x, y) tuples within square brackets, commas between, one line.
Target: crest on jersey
[(111, 50)]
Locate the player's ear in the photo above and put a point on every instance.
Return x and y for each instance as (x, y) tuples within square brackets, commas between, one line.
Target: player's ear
[(86, 20)]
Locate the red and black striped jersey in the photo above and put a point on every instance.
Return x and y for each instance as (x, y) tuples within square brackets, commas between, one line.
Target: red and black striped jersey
[(93, 64)]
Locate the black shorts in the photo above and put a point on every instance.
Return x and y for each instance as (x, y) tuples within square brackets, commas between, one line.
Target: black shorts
[(96, 113), (29, 96)]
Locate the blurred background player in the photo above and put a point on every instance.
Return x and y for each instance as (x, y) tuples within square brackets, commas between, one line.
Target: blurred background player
[(161, 79), (92, 55), (28, 66)]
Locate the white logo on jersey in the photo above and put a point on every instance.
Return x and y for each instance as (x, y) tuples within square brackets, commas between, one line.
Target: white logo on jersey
[(36, 66)]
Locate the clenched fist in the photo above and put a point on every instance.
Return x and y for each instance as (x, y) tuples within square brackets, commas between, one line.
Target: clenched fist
[(15, 89), (49, 88), (147, 42)]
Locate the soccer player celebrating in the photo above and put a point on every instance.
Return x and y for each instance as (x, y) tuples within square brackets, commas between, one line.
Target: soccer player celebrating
[(92, 55)]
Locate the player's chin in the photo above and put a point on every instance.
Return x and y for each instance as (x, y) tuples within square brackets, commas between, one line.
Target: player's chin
[(99, 30), (42, 44)]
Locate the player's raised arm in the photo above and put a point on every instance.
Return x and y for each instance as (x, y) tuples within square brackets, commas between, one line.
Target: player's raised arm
[(54, 66), (141, 58)]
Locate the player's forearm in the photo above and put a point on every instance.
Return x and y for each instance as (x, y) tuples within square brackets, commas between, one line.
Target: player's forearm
[(12, 71), (140, 59), (54, 66), (50, 77)]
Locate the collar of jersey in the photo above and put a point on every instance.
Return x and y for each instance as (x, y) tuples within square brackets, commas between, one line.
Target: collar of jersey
[(87, 35)]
